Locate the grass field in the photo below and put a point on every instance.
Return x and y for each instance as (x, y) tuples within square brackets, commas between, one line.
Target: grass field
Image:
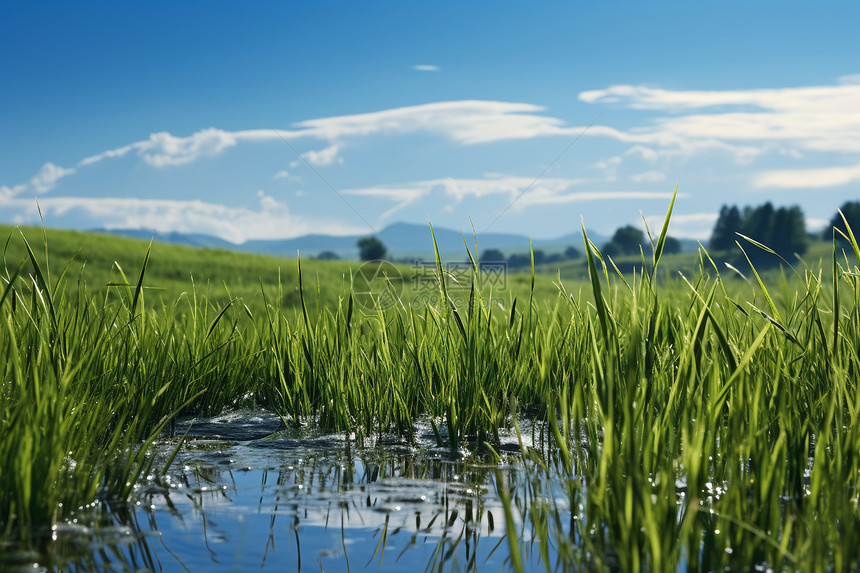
[(705, 420)]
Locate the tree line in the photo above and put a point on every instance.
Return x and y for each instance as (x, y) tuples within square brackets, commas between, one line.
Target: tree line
[(521, 260), (782, 229)]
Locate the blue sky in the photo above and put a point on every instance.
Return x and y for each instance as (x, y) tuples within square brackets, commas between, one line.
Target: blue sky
[(265, 120)]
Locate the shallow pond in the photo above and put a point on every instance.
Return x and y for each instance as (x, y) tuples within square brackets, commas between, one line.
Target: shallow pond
[(244, 493)]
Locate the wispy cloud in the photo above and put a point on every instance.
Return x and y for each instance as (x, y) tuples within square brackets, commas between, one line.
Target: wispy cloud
[(282, 174), (648, 177), (745, 123), (549, 191), (271, 220), (464, 122), (323, 157), (46, 179), (426, 68), (819, 122), (164, 149), (689, 226), (808, 178)]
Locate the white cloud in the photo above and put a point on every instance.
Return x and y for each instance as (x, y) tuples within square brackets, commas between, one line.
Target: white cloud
[(808, 178), (465, 122), (816, 225), (642, 151), (549, 191), (323, 157), (792, 122), (47, 178), (542, 197), (164, 149), (609, 165), (648, 177), (746, 123), (688, 226), (7, 192), (271, 220), (282, 174), (109, 154), (426, 68)]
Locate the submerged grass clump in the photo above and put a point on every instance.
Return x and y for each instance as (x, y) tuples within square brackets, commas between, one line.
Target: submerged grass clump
[(694, 422)]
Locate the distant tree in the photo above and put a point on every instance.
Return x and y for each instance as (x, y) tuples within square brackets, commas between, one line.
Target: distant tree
[(492, 256), (758, 223), (371, 249), (572, 253), (612, 249), (851, 210), (728, 223), (327, 256), (782, 230), (671, 246), (540, 257), (555, 258), (625, 241), (519, 260), (788, 233)]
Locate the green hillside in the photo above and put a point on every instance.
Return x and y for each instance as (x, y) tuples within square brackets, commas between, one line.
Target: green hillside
[(95, 260)]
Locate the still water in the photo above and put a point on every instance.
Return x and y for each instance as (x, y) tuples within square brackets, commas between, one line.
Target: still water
[(246, 494)]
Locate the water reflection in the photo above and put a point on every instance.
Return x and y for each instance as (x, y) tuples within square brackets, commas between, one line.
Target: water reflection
[(304, 502)]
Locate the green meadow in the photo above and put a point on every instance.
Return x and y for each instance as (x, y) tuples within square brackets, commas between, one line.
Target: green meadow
[(694, 417)]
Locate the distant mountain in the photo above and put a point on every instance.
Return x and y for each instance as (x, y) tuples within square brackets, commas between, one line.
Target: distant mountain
[(403, 240), (187, 239)]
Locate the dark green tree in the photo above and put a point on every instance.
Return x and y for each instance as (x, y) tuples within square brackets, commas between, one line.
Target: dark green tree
[(371, 249), (518, 260), (782, 230), (626, 241), (492, 256), (728, 223), (671, 246), (788, 232), (758, 223), (572, 253), (851, 210), (327, 256), (612, 249)]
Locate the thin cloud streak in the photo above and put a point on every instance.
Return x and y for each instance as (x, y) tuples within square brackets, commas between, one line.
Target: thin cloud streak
[(746, 123), (464, 122), (271, 220), (813, 121), (808, 178), (549, 191), (686, 226)]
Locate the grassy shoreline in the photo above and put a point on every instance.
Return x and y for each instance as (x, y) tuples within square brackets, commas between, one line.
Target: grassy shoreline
[(744, 392)]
